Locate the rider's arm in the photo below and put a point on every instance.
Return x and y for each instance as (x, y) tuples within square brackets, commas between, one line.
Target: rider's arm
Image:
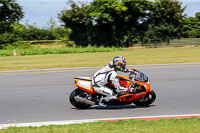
[(126, 70), (115, 81)]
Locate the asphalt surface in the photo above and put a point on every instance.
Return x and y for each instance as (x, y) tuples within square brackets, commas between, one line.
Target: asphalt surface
[(43, 95)]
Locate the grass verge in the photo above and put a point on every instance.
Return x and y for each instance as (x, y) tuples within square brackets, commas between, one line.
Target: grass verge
[(133, 56), (62, 50), (186, 125)]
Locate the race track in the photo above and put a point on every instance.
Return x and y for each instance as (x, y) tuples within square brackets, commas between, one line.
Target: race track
[(43, 95)]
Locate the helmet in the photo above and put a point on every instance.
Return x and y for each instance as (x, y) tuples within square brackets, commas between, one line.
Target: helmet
[(119, 63)]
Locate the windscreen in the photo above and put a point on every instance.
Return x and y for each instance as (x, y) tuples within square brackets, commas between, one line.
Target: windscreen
[(139, 76)]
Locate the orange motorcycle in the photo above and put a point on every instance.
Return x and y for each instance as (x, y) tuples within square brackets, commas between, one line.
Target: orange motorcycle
[(84, 95)]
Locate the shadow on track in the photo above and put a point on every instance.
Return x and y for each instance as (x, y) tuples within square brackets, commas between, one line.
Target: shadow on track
[(115, 107)]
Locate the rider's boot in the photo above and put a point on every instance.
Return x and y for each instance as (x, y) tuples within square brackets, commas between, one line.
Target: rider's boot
[(105, 99), (134, 90)]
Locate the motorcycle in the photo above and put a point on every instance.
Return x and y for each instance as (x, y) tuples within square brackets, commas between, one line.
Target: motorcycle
[(84, 96)]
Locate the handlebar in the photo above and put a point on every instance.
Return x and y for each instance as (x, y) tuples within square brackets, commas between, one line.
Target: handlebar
[(129, 70), (131, 73)]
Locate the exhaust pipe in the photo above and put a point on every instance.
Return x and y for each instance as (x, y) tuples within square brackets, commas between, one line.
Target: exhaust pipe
[(83, 100)]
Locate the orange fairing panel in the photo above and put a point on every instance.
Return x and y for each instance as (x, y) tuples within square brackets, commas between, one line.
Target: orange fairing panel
[(131, 97), (146, 85), (124, 81), (84, 83)]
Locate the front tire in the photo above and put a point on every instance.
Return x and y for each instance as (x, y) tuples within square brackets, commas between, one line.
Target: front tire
[(147, 100), (78, 105)]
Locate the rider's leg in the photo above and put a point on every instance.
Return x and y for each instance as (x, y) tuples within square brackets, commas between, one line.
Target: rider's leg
[(105, 91)]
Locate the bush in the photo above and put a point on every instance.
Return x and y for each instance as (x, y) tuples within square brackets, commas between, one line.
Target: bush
[(192, 27), (17, 45), (33, 33), (8, 38), (60, 33)]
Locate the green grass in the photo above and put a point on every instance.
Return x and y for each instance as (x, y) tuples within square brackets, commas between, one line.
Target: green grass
[(57, 50), (179, 42), (187, 125), (185, 41), (60, 48), (133, 56)]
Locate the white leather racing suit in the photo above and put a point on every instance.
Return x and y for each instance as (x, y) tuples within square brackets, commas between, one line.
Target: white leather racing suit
[(102, 77)]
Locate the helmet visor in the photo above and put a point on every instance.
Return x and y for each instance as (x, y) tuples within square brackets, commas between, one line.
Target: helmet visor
[(122, 66)]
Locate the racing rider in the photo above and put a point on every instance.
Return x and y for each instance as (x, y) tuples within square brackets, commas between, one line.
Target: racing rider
[(107, 74)]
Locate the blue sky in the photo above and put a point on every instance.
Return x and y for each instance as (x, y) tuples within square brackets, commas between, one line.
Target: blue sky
[(41, 11)]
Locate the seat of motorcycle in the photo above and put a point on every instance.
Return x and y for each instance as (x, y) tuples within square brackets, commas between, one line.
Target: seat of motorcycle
[(83, 78)]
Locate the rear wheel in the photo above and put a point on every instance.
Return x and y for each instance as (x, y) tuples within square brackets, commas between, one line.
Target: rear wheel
[(147, 100), (78, 105)]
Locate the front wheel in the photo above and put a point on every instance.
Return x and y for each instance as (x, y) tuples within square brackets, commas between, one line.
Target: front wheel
[(78, 105), (147, 100)]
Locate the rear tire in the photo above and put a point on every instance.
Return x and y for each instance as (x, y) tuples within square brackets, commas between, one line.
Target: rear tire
[(76, 104), (147, 100)]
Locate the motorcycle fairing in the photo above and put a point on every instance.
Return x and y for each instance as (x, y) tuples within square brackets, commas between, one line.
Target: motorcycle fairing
[(145, 84), (131, 97), (85, 84), (123, 81)]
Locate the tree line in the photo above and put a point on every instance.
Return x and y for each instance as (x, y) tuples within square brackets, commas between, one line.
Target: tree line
[(12, 31), (124, 22), (105, 23)]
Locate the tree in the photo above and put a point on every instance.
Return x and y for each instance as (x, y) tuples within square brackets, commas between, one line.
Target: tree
[(197, 15), (192, 26), (105, 22), (107, 15), (51, 24), (10, 12), (61, 33), (136, 18), (118, 22), (166, 20), (78, 20), (156, 34)]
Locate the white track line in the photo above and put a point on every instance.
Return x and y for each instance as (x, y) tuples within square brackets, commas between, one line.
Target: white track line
[(38, 124)]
